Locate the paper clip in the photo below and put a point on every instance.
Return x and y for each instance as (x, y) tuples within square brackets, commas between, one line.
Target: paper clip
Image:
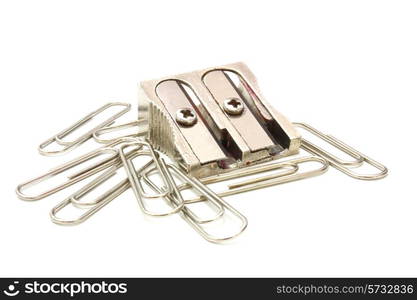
[(69, 145), (208, 194), (96, 204), (190, 213), (357, 159), (72, 179), (288, 169), (77, 176), (336, 163), (250, 185), (290, 175), (76, 198), (136, 183), (98, 135)]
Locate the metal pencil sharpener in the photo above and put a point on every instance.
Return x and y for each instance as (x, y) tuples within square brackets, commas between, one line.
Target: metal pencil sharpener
[(215, 120)]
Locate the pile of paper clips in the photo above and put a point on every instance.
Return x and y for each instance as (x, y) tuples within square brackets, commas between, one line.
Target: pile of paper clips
[(121, 151)]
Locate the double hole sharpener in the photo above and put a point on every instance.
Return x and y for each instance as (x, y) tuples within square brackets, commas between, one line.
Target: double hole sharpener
[(215, 120)]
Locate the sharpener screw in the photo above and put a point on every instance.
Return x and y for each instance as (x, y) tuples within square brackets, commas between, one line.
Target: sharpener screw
[(186, 117), (233, 106)]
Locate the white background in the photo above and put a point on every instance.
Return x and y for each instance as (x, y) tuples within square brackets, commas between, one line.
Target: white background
[(346, 67)]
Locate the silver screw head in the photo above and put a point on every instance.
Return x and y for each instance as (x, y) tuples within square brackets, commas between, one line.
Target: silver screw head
[(186, 117), (233, 106)]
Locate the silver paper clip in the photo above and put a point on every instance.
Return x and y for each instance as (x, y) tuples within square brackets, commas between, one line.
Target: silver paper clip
[(69, 145), (141, 126), (219, 210), (76, 176), (292, 174), (338, 163), (136, 184), (98, 203), (207, 194), (72, 179)]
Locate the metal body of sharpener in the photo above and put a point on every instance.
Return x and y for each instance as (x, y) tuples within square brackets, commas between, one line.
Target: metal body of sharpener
[(215, 120)]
